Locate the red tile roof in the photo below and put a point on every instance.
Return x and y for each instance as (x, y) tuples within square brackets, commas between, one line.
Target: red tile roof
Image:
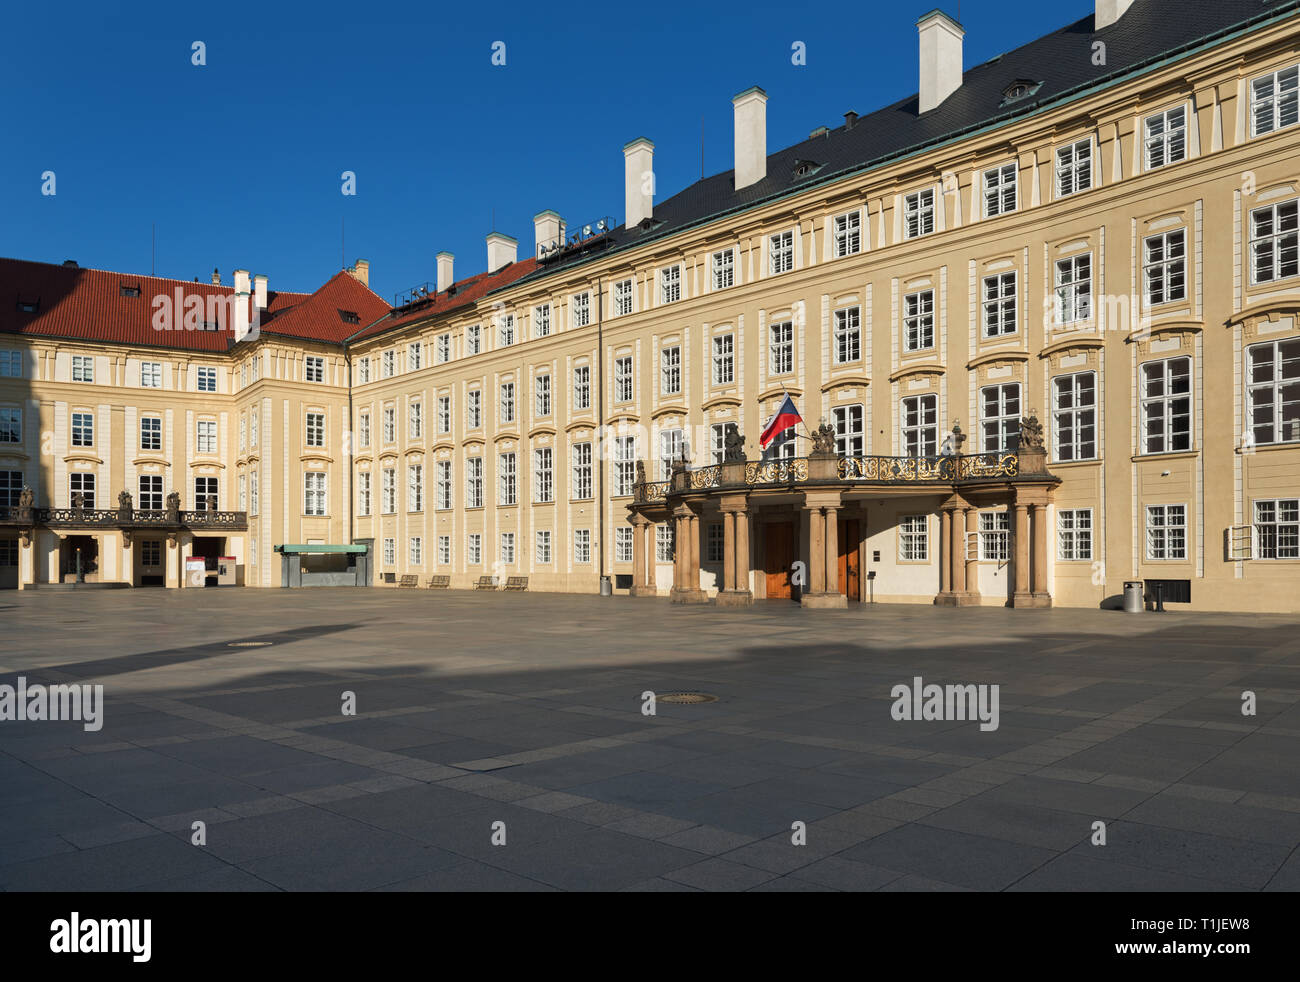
[(321, 316)]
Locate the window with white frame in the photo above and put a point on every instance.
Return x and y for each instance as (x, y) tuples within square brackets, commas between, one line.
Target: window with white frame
[(1273, 391), (1074, 416), (723, 264), (474, 548), (473, 339), (363, 493), (718, 441), (11, 364), (206, 436), (664, 543), (1000, 190), (582, 545), (1166, 532), (848, 335), (150, 432), (313, 493), (542, 395), (444, 550), (252, 493), (1166, 137), (914, 538), (918, 321), (623, 544), (1000, 416), (1167, 405), (205, 494), (724, 359), (542, 546), (442, 485), (507, 479), (582, 388), (151, 492), (314, 369), (780, 348), (671, 447), (581, 308), (1073, 168), (252, 429), (507, 402), (1000, 305), (390, 552), (624, 465), (83, 368), (506, 548), (1275, 242), (581, 457), (474, 482), (442, 348), (1074, 534), (918, 214), (714, 542), (505, 330), (846, 234), (670, 370), (473, 409), (390, 424), (543, 475), (151, 374), (415, 487), (850, 430), (415, 420), (624, 291), (388, 491), (415, 551), (670, 284), (444, 414), (83, 428), (388, 364), (1273, 101), (82, 483), (780, 253), (921, 425), (363, 370), (542, 320), (1165, 267), (1074, 289), (363, 430), (623, 390), (1277, 528), (243, 433), (11, 426), (414, 356), (995, 536), (315, 430), (207, 379)]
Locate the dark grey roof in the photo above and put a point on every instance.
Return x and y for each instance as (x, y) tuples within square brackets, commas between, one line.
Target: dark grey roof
[(1150, 32)]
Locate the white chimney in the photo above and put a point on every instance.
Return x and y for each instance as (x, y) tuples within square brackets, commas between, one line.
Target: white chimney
[(1109, 11), (548, 230), (501, 251), (638, 181), (259, 291), (241, 304), (751, 136), (445, 277), (941, 64)]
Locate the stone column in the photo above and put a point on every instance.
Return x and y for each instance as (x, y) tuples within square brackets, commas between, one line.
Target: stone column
[(1041, 597), (1021, 597), (742, 554), (686, 579), (832, 523), (642, 582), (693, 569), (728, 550), (958, 554), (822, 508), (736, 591), (816, 551), (945, 548)]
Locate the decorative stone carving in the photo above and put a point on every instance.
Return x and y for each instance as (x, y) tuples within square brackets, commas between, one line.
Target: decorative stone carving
[(78, 500), (640, 472), (173, 507), (26, 499), (1031, 432), (953, 441), (823, 439), (733, 446)]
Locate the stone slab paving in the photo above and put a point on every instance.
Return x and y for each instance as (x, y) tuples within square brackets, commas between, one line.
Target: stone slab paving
[(482, 715)]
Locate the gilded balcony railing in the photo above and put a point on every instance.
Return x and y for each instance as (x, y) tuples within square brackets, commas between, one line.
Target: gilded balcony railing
[(110, 518)]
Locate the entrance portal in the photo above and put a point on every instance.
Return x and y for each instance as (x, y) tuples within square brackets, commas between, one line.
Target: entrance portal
[(850, 576), (88, 547), (778, 558)]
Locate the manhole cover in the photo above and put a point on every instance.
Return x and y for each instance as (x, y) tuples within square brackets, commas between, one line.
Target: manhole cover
[(248, 644), (687, 698)]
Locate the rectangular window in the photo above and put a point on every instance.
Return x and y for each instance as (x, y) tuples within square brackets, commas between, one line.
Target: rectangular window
[(83, 428), (780, 348), (582, 388), (847, 234), (507, 479), (542, 395), (1074, 289), (1166, 137), (11, 488), (207, 379), (542, 321), (848, 335), (444, 550), (83, 368), (623, 544), (1000, 305), (582, 545), (415, 420), (390, 552), (1273, 101), (388, 491), (918, 214), (390, 424), (718, 440), (315, 429), (1277, 528), (506, 330), (243, 434), (473, 339), (1074, 168), (252, 493), (11, 427), (313, 493), (363, 370), (415, 487), (363, 430), (507, 553), (671, 447), (474, 482), (670, 371), (664, 543), (921, 425), (581, 309), (1165, 267), (252, 429), (363, 493), (1000, 416), (624, 290), (1074, 534), (205, 494), (444, 414), (442, 485), (11, 364), (581, 471), (995, 536), (507, 402), (914, 538), (623, 390), (82, 484), (1166, 532), (1275, 242), (473, 409), (543, 475), (670, 284), (315, 369), (151, 553), (1273, 391), (151, 493), (714, 543), (151, 374), (474, 549), (415, 551), (414, 357), (1167, 405), (724, 269), (543, 546), (918, 321), (442, 349), (1074, 416), (724, 364), (780, 253), (624, 465), (206, 441), (389, 364), (999, 190), (850, 435)]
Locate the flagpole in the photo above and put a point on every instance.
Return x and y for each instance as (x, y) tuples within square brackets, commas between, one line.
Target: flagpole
[(802, 421)]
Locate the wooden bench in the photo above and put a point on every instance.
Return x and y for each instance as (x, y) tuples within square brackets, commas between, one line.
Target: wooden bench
[(485, 583), (517, 583), (439, 582), (408, 579)]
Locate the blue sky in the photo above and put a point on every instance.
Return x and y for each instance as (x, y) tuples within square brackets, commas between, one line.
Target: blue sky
[(238, 162)]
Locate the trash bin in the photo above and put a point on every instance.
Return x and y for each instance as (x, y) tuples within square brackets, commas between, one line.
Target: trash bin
[(1133, 602)]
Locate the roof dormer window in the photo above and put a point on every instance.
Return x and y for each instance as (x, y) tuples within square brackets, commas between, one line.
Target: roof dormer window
[(350, 316), (125, 290), (1019, 89)]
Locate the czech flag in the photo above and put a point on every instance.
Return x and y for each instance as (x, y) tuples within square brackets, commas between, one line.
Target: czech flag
[(786, 417)]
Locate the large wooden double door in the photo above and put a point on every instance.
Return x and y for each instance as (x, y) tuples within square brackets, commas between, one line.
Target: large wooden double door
[(779, 555)]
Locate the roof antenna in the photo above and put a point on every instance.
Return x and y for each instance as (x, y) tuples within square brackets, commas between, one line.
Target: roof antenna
[(153, 246), (701, 147), (343, 239)]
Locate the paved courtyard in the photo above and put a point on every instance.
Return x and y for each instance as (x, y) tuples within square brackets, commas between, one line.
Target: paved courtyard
[(474, 709)]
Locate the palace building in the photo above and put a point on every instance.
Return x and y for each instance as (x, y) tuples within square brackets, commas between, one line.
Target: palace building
[(1040, 320)]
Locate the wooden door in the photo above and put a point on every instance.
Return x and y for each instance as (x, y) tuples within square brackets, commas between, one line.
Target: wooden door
[(778, 557), (850, 574)]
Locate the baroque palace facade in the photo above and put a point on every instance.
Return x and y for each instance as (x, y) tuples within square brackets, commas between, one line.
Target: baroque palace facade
[(1040, 318)]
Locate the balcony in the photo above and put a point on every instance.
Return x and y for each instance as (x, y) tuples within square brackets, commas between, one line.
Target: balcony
[(127, 519)]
